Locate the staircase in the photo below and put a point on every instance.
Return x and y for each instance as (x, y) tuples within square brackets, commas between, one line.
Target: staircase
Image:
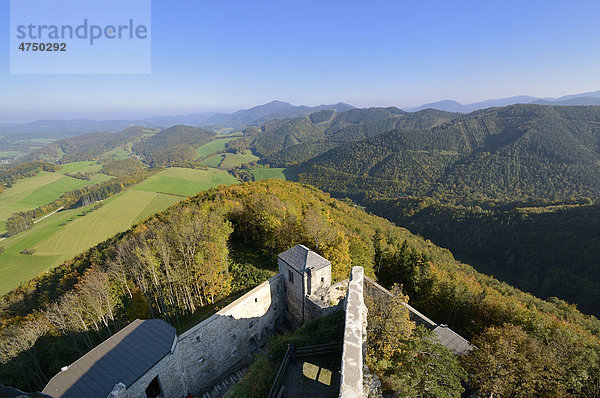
[(223, 383)]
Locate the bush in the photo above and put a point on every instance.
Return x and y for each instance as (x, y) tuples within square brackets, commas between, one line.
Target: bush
[(2, 249), (28, 252)]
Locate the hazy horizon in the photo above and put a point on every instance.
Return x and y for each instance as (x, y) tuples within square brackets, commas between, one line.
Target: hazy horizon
[(226, 56)]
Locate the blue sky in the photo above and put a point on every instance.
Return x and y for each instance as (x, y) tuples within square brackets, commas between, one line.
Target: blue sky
[(226, 55)]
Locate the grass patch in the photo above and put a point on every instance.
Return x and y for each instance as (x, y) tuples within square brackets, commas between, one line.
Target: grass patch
[(82, 167), (213, 161), (32, 192), (237, 159), (213, 147), (279, 173), (186, 182), (117, 154)]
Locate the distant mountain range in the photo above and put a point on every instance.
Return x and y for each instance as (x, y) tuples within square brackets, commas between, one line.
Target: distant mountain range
[(590, 98), (255, 116), (273, 110)]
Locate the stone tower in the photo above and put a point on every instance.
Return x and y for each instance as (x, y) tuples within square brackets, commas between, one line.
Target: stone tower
[(307, 282)]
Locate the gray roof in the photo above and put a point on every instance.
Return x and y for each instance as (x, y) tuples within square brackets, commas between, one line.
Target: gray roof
[(451, 340), (301, 257), (124, 357)]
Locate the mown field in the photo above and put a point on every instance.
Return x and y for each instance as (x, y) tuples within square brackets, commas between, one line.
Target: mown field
[(230, 160), (43, 188), (213, 146), (279, 173), (81, 167), (185, 182), (67, 233)]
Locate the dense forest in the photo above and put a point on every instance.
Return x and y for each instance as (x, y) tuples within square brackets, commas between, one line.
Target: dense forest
[(500, 154), (333, 129), (180, 262), (538, 248), (121, 167), (495, 159)]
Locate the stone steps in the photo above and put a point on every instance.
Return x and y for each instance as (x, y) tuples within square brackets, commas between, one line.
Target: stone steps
[(219, 390)]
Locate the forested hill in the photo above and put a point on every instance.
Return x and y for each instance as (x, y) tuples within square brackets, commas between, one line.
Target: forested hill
[(499, 154), (178, 263), (173, 145), (86, 146), (305, 137)]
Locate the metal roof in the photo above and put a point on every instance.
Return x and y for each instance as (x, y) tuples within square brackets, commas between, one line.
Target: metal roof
[(451, 340), (124, 357), (301, 257)]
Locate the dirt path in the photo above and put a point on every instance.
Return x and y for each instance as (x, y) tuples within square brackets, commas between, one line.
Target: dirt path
[(48, 215)]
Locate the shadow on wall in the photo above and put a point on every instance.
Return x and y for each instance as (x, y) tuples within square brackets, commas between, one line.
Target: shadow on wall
[(149, 359), (216, 344)]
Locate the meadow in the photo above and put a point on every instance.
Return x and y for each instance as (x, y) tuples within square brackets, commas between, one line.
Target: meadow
[(279, 173), (213, 147), (69, 232), (230, 160), (32, 192)]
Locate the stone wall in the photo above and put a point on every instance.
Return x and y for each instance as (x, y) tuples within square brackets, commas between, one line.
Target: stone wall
[(355, 334), (201, 354), (216, 344), (294, 282)]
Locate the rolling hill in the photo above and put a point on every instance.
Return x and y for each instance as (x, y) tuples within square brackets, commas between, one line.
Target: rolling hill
[(500, 154)]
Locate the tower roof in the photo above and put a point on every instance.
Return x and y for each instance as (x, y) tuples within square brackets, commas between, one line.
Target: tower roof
[(301, 257)]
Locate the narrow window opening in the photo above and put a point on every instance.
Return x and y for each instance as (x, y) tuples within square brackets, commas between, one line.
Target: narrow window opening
[(153, 389)]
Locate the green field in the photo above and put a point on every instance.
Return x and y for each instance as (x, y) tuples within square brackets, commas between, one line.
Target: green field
[(67, 233), (276, 172), (213, 146), (32, 192), (187, 182), (230, 160), (56, 239), (82, 167), (237, 159), (213, 161), (117, 154)]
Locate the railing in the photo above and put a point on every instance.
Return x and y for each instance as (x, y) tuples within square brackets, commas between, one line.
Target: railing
[(281, 373), (237, 366), (321, 349)]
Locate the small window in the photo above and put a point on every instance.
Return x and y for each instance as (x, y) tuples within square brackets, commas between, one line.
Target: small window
[(256, 300), (153, 389), (322, 279), (250, 325), (323, 298), (291, 276), (233, 337)]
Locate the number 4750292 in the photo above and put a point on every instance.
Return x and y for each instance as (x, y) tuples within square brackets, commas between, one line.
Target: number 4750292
[(43, 47)]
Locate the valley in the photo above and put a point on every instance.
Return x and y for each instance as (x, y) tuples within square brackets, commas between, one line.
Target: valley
[(512, 191)]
